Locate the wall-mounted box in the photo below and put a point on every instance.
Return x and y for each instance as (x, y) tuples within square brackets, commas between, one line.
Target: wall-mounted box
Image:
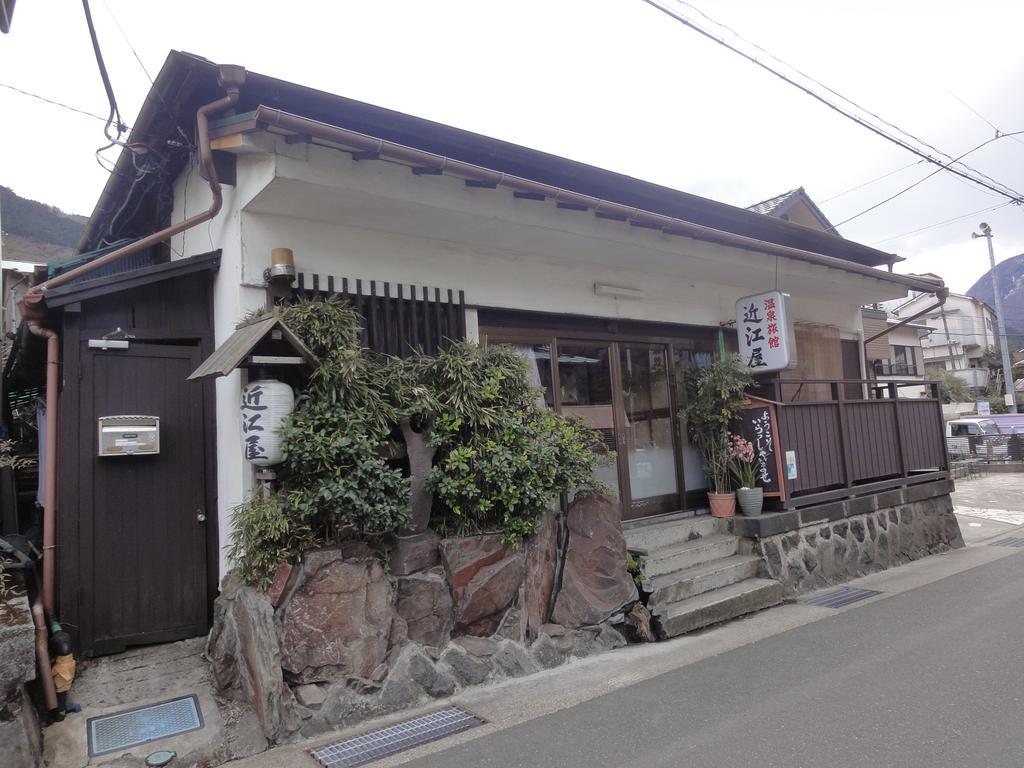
[(129, 435)]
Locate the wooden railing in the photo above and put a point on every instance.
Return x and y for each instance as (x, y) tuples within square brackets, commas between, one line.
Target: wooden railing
[(863, 438)]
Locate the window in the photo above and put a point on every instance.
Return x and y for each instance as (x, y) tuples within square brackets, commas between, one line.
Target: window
[(901, 362)]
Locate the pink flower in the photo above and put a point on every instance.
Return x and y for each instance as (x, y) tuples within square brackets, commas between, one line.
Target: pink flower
[(740, 448)]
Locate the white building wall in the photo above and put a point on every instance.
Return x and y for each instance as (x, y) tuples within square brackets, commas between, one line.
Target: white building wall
[(376, 221)]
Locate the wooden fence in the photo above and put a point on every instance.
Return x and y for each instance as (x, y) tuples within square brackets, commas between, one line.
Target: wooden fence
[(848, 445), (399, 320)]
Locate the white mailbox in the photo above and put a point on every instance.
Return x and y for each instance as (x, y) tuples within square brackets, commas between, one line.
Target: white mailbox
[(129, 435)]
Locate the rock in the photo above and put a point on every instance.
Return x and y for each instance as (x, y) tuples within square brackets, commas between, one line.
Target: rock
[(414, 553), (638, 621), (425, 603), (513, 660), (595, 582), (20, 741), (857, 529), (772, 557), (485, 576), (513, 624), (413, 674), (489, 593), (463, 558), (547, 652), (467, 668), (810, 560), (245, 656), (539, 583), (825, 533), (840, 529), (609, 638), (435, 680), (276, 590), (17, 645), (553, 630), (343, 706), (309, 695), (478, 646), (338, 622)]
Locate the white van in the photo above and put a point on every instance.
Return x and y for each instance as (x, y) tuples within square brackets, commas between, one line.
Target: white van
[(979, 437)]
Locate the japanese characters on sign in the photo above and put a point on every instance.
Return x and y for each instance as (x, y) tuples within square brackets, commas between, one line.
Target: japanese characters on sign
[(252, 416), (765, 332), (764, 447)]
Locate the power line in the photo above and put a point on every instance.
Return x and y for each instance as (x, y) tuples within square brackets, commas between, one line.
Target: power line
[(941, 223), (54, 103), (869, 183), (919, 181), (984, 119), (991, 183)]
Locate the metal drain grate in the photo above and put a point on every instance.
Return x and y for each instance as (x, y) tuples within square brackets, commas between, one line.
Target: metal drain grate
[(841, 597), (374, 745), (110, 733), (1013, 541)]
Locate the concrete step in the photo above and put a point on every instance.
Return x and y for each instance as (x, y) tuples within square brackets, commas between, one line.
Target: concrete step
[(687, 554), (717, 606), (643, 539), (679, 585)]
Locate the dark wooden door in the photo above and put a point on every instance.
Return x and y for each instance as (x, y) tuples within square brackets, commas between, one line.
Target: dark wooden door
[(851, 368), (142, 532)]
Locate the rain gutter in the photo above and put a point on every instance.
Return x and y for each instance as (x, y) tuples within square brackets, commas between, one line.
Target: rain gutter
[(425, 162)]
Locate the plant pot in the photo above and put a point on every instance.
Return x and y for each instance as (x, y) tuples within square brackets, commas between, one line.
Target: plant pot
[(751, 500), (722, 504)]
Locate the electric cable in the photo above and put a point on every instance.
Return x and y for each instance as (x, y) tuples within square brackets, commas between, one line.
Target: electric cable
[(991, 183), (941, 223)]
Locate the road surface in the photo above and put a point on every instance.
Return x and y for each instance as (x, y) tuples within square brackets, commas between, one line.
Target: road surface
[(933, 676)]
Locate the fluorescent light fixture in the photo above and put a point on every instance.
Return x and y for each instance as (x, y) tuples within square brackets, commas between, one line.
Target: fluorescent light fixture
[(617, 291), (108, 343)]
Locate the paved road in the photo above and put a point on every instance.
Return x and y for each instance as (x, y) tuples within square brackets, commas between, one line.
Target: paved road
[(930, 677), (990, 505)]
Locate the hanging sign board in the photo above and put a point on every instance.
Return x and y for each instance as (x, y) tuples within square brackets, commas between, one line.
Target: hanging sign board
[(765, 332), (757, 423)]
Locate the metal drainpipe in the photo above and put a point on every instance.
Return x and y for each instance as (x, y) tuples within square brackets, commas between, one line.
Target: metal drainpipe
[(43, 655), (33, 310)]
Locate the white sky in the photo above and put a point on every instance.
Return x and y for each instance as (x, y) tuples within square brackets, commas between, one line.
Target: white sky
[(614, 83)]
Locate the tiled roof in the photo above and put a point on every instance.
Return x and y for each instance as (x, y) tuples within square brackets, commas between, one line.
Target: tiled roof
[(767, 206)]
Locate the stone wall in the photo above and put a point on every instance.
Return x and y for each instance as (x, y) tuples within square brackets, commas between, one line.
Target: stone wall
[(20, 739), (343, 636), (897, 527)]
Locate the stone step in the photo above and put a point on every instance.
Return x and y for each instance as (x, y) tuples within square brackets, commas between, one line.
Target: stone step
[(643, 539), (679, 585), (717, 606), (676, 557)]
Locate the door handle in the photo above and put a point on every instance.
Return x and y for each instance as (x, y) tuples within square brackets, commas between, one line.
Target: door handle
[(200, 516)]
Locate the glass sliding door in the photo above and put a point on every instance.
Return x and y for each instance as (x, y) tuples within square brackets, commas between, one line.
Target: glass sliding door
[(585, 390), (647, 431)]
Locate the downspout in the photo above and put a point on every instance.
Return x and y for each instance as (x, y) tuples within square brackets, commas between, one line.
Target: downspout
[(33, 310), (43, 656)]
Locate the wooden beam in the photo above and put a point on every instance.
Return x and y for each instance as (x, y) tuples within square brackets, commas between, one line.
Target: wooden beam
[(365, 156), (572, 207), (528, 195)]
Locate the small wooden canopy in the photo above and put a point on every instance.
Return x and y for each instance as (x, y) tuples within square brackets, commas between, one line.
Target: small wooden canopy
[(263, 341)]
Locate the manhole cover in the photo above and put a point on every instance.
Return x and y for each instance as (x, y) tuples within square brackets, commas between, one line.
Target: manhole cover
[(110, 733), (841, 597), (374, 745)]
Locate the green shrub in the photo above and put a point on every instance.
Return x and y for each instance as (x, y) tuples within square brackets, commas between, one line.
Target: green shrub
[(264, 534), (502, 460)]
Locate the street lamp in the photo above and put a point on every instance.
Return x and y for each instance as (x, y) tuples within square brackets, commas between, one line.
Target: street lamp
[(1008, 384)]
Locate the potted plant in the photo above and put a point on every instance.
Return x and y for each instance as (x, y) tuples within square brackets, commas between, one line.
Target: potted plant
[(743, 466), (715, 394)]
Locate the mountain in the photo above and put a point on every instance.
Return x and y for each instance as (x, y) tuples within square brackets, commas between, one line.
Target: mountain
[(1010, 275), (34, 231)]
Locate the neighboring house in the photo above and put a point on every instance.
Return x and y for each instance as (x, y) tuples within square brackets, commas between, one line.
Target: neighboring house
[(897, 355), (796, 207), (608, 284), (961, 331)]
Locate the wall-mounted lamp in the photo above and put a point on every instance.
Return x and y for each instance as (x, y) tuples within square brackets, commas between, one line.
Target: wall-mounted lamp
[(282, 267), (617, 291)]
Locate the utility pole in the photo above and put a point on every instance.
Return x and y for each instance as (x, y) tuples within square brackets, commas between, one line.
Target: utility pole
[(1011, 391)]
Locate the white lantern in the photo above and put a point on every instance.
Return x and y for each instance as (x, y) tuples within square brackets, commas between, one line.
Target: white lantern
[(266, 404)]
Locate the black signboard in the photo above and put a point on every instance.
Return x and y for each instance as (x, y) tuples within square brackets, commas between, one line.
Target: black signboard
[(757, 424)]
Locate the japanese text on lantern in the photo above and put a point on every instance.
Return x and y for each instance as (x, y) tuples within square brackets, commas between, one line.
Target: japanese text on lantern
[(252, 415)]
